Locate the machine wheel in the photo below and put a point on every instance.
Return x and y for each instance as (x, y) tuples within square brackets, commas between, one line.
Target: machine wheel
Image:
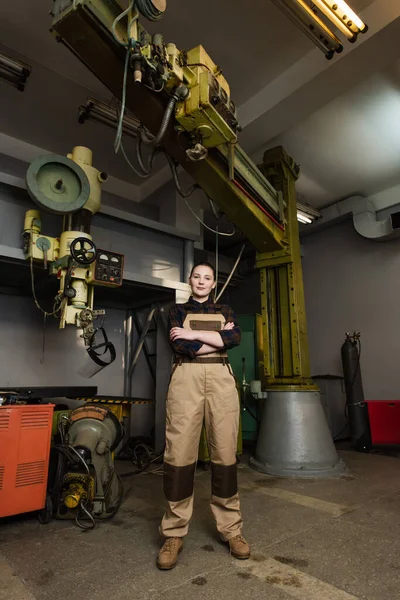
[(45, 515)]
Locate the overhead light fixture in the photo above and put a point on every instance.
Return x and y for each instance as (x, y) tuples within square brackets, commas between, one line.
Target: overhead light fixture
[(307, 214), (305, 16), (14, 72), (300, 13), (347, 15), (108, 115)]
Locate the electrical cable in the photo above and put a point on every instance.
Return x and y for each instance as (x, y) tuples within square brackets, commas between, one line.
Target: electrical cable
[(118, 136), (121, 16), (80, 458), (137, 460), (231, 273), (46, 314), (216, 262), (246, 406), (186, 194), (204, 225), (148, 10), (82, 507), (153, 89), (173, 167), (139, 158)]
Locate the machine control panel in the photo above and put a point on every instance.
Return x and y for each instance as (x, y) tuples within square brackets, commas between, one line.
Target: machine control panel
[(107, 269)]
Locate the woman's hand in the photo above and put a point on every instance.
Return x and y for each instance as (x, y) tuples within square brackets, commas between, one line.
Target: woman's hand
[(179, 333), (228, 326)]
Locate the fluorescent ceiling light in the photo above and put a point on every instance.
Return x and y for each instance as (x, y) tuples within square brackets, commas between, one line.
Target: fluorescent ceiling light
[(347, 15), (14, 72), (304, 14), (109, 115), (307, 214), (303, 219), (305, 19), (324, 8)]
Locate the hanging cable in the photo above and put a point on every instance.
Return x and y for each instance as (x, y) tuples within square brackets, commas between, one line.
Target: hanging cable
[(206, 226), (186, 194), (231, 273), (121, 16), (173, 167), (58, 301), (118, 137), (216, 262), (134, 169)]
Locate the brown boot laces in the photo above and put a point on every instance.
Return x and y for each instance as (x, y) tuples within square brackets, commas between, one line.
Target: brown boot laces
[(169, 545), (239, 538)]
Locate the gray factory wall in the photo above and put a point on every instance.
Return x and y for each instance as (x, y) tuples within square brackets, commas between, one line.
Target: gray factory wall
[(22, 362), (147, 252), (353, 283)]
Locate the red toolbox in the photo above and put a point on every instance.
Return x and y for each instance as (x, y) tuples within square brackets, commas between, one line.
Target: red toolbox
[(384, 417), (25, 435)]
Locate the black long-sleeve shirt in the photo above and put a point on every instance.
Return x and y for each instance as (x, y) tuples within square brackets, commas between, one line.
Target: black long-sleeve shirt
[(177, 316)]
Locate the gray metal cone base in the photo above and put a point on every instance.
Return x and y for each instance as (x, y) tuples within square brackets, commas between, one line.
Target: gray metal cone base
[(294, 438)]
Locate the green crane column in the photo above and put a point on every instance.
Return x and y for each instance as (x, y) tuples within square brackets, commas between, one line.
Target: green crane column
[(286, 356), (294, 437)]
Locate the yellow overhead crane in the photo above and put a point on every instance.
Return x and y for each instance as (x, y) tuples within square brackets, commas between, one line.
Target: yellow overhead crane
[(183, 105)]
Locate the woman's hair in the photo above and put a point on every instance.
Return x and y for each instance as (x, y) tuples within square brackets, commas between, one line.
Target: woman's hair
[(203, 264)]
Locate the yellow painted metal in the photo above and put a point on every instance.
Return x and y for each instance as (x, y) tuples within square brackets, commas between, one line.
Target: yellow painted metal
[(66, 239), (286, 356), (32, 223), (76, 492), (197, 114), (35, 245), (86, 28), (83, 157)]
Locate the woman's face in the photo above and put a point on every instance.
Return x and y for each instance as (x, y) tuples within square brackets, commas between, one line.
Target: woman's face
[(202, 282)]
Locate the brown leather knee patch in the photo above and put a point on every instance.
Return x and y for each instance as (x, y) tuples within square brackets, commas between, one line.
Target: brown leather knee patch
[(178, 482), (224, 480)]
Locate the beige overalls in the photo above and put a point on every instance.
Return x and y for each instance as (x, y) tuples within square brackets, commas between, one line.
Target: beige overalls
[(203, 388)]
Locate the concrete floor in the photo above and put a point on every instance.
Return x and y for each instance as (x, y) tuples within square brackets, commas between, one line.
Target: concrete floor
[(335, 539)]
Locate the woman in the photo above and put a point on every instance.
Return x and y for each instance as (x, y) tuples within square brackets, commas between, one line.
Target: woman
[(202, 387)]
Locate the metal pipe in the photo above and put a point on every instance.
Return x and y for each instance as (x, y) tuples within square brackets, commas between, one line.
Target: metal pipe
[(128, 349), (139, 347)]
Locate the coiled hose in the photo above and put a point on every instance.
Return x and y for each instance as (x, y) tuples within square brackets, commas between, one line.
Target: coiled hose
[(148, 10)]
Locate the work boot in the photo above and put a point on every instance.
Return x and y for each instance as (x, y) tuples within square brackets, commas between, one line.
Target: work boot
[(239, 547), (168, 555)]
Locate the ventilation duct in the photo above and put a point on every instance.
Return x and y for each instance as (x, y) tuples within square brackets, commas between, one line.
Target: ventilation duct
[(365, 220)]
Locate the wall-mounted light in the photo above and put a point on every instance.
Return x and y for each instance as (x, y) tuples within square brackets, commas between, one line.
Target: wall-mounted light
[(14, 72), (307, 214), (305, 16), (108, 115)]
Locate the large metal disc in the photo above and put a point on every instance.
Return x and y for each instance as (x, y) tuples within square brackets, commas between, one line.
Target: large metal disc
[(57, 184)]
